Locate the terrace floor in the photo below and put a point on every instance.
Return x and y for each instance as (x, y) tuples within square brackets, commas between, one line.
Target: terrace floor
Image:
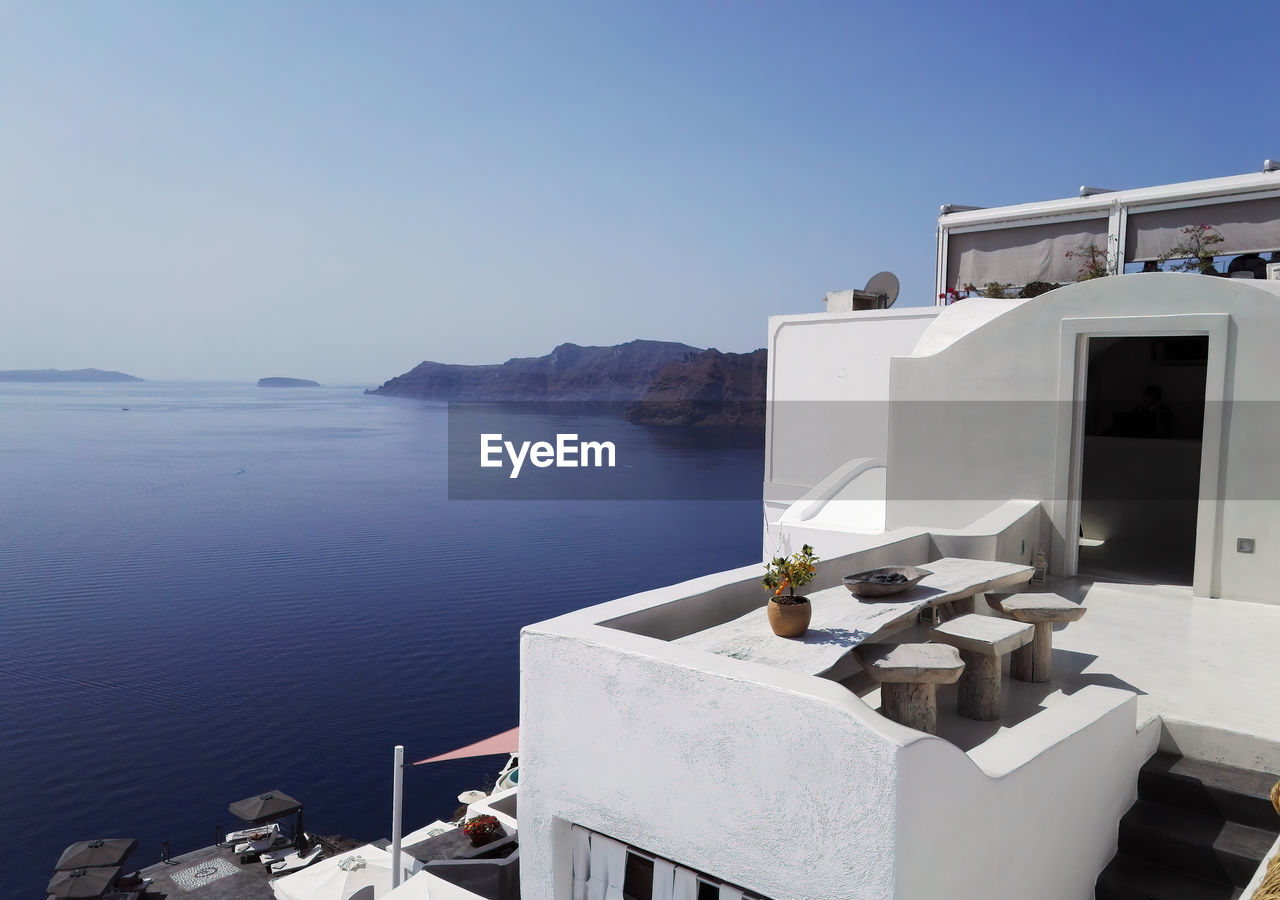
[(215, 873), (212, 873), (1208, 665)]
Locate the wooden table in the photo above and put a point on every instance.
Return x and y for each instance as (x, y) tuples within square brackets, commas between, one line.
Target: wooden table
[(842, 621)]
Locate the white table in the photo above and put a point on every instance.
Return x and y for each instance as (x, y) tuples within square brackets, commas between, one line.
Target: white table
[(842, 621)]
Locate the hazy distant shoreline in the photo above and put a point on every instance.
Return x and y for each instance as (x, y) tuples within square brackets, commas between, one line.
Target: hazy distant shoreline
[(47, 375)]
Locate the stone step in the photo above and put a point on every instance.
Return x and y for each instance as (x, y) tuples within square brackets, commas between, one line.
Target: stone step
[(1128, 878), (1237, 795), (1200, 844)]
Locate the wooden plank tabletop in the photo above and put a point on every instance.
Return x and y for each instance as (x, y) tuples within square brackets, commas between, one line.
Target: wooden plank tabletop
[(842, 621)]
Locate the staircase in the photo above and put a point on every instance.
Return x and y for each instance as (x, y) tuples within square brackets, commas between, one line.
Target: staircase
[(1198, 832)]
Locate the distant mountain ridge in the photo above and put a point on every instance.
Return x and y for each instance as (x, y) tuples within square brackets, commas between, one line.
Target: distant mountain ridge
[(653, 382), (47, 375), (569, 372)]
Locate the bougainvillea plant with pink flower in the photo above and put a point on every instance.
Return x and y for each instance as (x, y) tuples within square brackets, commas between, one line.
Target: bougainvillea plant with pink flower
[(1195, 250), (480, 827), (951, 295)]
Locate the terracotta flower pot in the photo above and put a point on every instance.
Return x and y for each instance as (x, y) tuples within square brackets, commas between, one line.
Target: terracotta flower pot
[(790, 619)]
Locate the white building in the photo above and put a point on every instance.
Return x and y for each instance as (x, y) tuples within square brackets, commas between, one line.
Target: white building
[(987, 429)]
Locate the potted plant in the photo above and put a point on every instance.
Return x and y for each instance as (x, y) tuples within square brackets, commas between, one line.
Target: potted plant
[(788, 614), (482, 829)]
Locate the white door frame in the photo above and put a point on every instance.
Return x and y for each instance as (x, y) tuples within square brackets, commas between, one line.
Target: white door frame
[(1064, 509)]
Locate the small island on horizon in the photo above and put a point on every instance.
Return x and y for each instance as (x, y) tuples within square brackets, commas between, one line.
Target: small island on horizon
[(287, 382), (63, 375)]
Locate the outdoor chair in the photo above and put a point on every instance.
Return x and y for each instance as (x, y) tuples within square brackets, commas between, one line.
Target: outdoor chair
[(292, 862), (266, 835), (274, 856), (239, 837)]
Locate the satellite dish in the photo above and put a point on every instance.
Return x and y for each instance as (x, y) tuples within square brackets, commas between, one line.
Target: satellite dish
[(882, 288)]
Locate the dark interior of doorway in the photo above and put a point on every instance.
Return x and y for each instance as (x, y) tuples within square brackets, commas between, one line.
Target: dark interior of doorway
[(1140, 478)]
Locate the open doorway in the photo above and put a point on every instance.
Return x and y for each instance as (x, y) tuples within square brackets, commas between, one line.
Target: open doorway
[(1140, 472)]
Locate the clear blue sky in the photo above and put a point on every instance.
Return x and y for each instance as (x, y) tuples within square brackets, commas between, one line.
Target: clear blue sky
[(339, 191)]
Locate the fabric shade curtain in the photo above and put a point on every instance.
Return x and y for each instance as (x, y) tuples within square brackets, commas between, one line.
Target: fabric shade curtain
[(581, 842), (729, 893), (608, 868), (1021, 254), (686, 885), (1246, 226), (664, 880)]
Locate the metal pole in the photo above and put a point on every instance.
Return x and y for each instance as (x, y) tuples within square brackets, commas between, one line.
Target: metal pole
[(397, 806)]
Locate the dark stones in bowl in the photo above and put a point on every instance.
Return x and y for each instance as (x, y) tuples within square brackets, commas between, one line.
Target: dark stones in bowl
[(884, 581)]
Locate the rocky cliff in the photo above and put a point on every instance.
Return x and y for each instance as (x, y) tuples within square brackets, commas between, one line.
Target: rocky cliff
[(712, 388), (567, 373), (650, 382)]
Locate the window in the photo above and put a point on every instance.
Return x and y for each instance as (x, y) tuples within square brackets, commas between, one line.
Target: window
[(610, 864), (638, 884)]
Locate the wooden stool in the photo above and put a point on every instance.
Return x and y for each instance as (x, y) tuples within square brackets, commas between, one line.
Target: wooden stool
[(909, 675), (1034, 662), (982, 640)]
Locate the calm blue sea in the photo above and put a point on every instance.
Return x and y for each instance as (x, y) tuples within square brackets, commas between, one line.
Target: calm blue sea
[(225, 589)]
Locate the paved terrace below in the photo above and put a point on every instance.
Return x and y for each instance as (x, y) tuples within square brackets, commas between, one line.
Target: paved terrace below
[(215, 873), (1207, 668), (212, 873)]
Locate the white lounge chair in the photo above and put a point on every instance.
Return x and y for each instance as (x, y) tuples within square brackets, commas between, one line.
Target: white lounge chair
[(293, 862), (275, 856), (265, 841), (239, 837)]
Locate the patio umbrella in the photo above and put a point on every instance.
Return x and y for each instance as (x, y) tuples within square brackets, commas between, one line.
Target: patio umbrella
[(268, 807), (264, 808), (338, 877), (425, 886), (105, 852), (91, 882)]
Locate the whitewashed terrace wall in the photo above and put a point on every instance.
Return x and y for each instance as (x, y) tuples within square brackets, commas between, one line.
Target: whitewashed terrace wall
[(1038, 819), (789, 784)]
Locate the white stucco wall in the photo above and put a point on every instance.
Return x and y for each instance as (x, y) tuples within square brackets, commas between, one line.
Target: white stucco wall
[(822, 368), (828, 391), (714, 772), (952, 459)]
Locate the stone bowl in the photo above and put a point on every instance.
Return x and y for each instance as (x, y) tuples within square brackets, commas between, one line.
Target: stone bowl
[(862, 584)]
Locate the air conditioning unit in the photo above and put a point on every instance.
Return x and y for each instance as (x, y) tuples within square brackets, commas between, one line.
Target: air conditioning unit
[(1273, 271)]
